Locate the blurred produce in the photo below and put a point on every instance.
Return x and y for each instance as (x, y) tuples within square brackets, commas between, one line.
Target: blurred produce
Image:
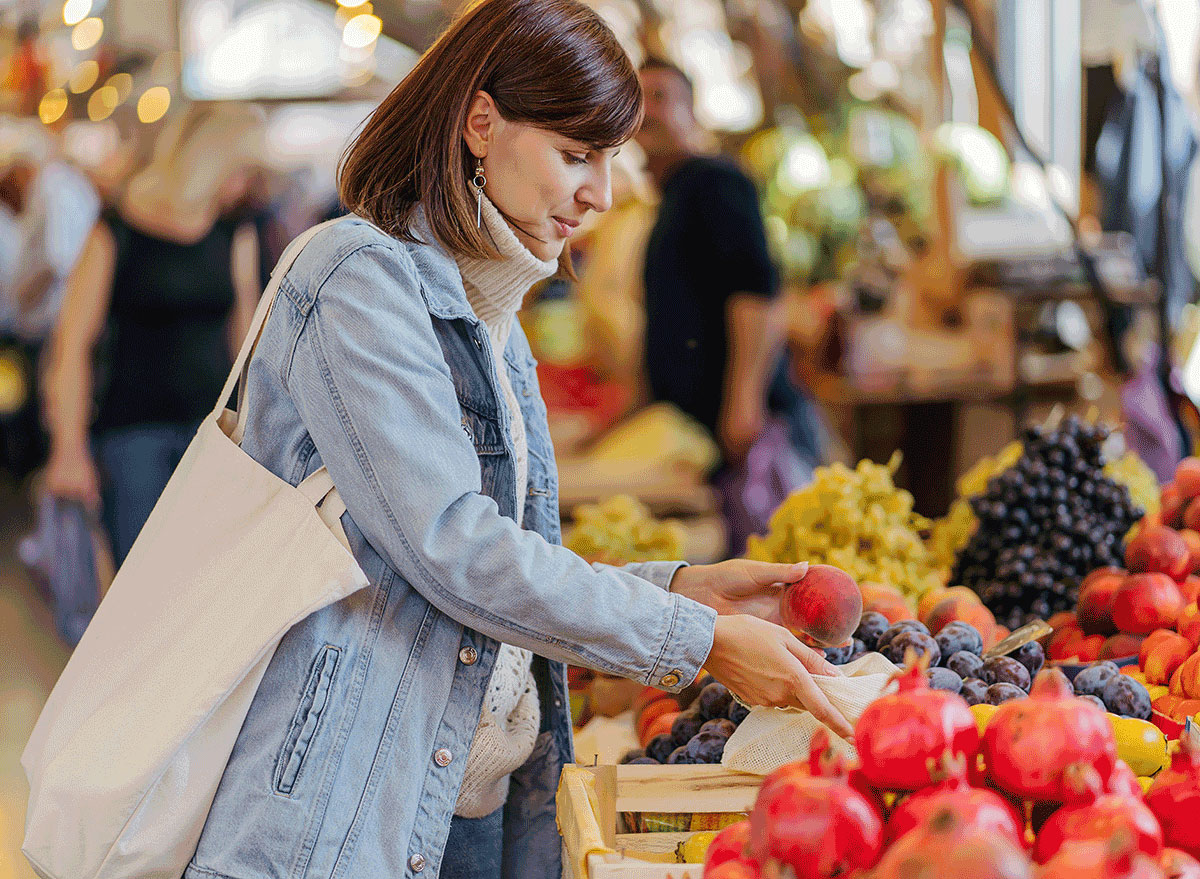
[(621, 530), (856, 520), (1132, 472)]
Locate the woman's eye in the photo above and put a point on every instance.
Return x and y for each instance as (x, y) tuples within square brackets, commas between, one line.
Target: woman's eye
[(573, 159)]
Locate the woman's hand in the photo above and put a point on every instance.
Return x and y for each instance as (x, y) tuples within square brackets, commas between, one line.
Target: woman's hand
[(71, 475), (764, 664), (738, 586)]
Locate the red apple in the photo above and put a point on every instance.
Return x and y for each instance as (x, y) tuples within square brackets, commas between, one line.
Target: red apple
[(1146, 602), (1170, 506), (1095, 600), (1158, 549), (826, 605), (1187, 478)]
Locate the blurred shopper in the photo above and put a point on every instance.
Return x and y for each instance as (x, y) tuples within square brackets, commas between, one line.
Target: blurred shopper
[(47, 208), (714, 322), (168, 282), (433, 719)]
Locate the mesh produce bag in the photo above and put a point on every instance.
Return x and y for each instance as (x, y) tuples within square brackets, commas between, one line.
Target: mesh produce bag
[(770, 737)]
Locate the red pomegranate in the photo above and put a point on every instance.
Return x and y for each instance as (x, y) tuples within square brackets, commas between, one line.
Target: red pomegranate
[(728, 845), (1179, 865), (1029, 742), (948, 848), (1092, 814), (1174, 798), (976, 808), (901, 737), (813, 821), (1115, 858), (738, 868), (1119, 779)]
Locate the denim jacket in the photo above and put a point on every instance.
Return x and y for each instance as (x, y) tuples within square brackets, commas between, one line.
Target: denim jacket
[(349, 762)]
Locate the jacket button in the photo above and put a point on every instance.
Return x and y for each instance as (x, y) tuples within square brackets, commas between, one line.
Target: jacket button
[(417, 863), (670, 680), (478, 342), (442, 757), (468, 655)]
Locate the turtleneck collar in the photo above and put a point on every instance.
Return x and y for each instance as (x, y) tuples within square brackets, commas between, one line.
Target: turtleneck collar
[(496, 287)]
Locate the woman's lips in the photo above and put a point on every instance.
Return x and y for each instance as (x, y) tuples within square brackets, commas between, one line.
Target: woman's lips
[(566, 228)]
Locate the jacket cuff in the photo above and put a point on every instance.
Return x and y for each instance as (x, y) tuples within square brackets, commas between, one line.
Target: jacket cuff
[(688, 643)]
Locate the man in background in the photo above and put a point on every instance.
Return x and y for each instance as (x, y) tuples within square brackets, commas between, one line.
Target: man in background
[(715, 325)]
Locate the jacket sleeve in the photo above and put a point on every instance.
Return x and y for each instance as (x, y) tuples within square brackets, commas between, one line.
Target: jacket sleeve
[(659, 573), (372, 387)]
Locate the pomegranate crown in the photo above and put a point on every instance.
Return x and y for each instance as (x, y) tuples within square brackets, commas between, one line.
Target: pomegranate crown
[(1051, 684), (951, 767), (1084, 782), (823, 760), (912, 676)]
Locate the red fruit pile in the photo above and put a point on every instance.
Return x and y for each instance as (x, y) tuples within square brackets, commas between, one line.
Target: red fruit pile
[(962, 811)]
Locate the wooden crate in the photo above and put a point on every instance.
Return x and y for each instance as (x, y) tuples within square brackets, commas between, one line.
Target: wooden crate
[(591, 798)]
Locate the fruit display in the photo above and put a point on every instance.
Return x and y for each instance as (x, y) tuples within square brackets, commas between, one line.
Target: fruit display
[(621, 530), (858, 521), (1044, 524), (694, 734), (1039, 786), (951, 533)]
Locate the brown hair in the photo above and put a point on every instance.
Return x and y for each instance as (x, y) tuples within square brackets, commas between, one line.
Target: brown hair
[(553, 64)]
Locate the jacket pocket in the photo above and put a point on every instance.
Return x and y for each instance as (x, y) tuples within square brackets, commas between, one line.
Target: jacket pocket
[(483, 431), (313, 701)]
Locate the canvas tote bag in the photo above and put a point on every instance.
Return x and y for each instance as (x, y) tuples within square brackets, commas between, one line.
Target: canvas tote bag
[(126, 756)]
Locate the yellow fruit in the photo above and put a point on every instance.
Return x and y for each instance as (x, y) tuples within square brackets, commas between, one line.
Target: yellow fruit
[(1156, 691), (695, 847), (1137, 676), (983, 713), (1145, 782), (1140, 743)]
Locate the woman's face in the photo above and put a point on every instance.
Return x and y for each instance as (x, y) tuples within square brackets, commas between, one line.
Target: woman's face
[(544, 182)]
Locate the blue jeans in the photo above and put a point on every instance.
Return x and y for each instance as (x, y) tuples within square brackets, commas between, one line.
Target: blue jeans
[(135, 464), (474, 847)]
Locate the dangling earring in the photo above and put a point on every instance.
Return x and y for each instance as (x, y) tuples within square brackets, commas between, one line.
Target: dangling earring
[(479, 181)]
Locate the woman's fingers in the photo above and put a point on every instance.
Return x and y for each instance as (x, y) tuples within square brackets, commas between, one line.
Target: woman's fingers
[(813, 660), (758, 577)]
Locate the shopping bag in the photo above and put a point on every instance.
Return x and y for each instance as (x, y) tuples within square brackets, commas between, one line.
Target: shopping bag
[(67, 556), (128, 752)]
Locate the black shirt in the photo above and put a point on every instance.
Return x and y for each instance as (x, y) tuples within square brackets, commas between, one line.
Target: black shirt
[(166, 355), (707, 245)]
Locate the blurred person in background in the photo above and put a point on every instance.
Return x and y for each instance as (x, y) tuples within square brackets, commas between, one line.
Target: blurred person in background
[(168, 281), (715, 325), (47, 208)]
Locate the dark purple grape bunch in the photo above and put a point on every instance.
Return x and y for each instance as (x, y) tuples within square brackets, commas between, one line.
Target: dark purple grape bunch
[(1045, 523)]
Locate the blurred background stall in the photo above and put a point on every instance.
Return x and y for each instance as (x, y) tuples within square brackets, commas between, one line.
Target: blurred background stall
[(849, 227)]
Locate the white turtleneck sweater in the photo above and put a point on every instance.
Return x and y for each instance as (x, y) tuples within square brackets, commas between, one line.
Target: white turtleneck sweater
[(511, 716)]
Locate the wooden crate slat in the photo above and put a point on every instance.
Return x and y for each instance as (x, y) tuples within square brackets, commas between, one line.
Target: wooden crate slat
[(685, 788), (631, 868)]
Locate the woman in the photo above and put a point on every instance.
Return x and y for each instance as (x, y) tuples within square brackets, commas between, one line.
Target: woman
[(419, 726), (170, 279)]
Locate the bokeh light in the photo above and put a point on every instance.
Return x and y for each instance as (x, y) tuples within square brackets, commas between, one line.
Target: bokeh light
[(154, 103)]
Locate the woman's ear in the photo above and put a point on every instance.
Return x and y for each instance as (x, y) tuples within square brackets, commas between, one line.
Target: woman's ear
[(481, 120)]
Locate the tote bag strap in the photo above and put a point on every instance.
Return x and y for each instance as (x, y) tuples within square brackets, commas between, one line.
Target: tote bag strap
[(237, 375)]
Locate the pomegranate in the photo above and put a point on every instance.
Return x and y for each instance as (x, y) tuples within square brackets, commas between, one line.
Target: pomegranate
[(947, 848), (1118, 778), (1179, 865), (975, 808), (1115, 858), (902, 736), (1093, 814), (738, 868), (813, 821), (729, 845), (1175, 799), (1029, 742)]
